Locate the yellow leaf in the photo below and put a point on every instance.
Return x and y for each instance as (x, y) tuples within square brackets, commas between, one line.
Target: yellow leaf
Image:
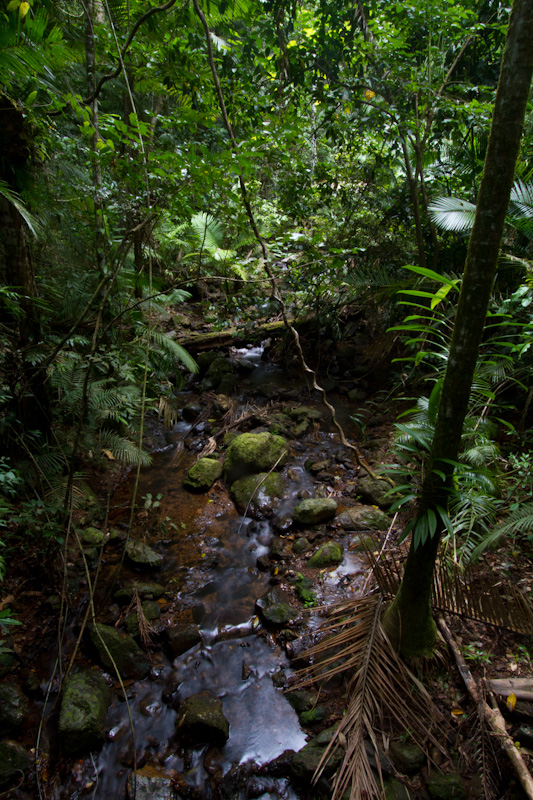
[(23, 9), (457, 712), (511, 701), (13, 5), (369, 94), (109, 454)]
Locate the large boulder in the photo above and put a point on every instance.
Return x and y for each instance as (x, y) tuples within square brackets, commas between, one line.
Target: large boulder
[(115, 648), (84, 705), (142, 556), (201, 720), (251, 453), (315, 510), (13, 707), (255, 495), (203, 474), (375, 491)]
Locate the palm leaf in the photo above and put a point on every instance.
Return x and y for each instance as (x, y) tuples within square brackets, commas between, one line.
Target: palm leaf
[(452, 214), (207, 231), (123, 450), (14, 199)]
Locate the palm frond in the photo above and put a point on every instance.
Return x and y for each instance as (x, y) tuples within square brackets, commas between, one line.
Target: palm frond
[(175, 350), (521, 205), (122, 449), (208, 231), (452, 214), (519, 521), (382, 694), (14, 199)]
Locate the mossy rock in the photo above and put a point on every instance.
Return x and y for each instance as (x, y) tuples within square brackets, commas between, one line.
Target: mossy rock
[(92, 537), (275, 608), (375, 491), (146, 591), (142, 555), (82, 717), (250, 453), (326, 556), (14, 760), (315, 510), (151, 611), (305, 762), (124, 651), (407, 758), (301, 545), (203, 474), (313, 716), (363, 518), (301, 700), (446, 786), (256, 494), (13, 707), (305, 412), (394, 790), (150, 784), (201, 720)]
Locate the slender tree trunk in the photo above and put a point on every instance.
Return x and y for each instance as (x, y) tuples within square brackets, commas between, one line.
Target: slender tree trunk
[(408, 620)]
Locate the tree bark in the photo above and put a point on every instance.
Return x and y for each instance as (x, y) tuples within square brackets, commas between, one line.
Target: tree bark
[(408, 620)]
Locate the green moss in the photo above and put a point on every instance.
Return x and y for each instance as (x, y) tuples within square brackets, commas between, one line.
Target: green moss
[(251, 453), (203, 474)]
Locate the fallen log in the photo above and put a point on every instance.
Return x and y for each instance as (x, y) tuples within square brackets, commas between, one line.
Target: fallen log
[(233, 336)]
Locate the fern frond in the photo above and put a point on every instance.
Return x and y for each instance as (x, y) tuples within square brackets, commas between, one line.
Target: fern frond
[(175, 350), (122, 449)]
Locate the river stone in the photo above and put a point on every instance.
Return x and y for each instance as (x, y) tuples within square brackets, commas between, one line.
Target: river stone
[(301, 700), (182, 637), (84, 704), (315, 510), (216, 371), (227, 384), (203, 474), (446, 786), (255, 494), (201, 720), (394, 790), (362, 544), (92, 537), (13, 707), (14, 759), (146, 591), (373, 491), (275, 609), (301, 545), (407, 758), (130, 660), (361, 518), (326, 556), (314, 715), (142, 556), (250, 453), (149, 784), (305, 412), (305, 762)]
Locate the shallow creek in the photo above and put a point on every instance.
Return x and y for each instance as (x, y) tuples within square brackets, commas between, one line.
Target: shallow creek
[(210, 571)]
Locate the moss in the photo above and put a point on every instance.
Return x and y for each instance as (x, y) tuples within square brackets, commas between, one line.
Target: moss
[(410, 628), (203, 474), (256, 492), (251, 453)]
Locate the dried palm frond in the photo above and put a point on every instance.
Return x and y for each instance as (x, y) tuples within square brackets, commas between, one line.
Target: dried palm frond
[(474, 593), (383, 694), (168, 411), (145, 629)]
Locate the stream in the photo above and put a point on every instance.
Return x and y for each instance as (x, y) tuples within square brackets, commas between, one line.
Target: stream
[(211, 575)]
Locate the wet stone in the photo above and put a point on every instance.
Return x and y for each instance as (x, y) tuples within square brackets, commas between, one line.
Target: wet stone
[(278, 549), (151, 611), (84, 705), (181, 638), (314, 715), (282, 524), (255, 495), (13, 707), (201, 720), (301, 700), (301, 545), (326, 556), (14, 760), (315, 510), (275, 609), (142, 556), (125, 653), (149, 784), (362, 544), (92, 537), (375, 491), (250, 453)]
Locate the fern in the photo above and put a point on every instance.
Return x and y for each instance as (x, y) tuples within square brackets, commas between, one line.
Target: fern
[(123, 449)]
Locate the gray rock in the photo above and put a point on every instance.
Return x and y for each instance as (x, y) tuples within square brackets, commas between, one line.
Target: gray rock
[(14, 760), (182, 637), (125, 653), (147, 784), (363, 518), (201, 720), (315, 510), (446, 786), (146, 591), (407, 758), (326, 556), (251, 453), (203, 474), (255, 495), (13, 707), (143, 556), (275, 608), (301, 545), (84, 705)]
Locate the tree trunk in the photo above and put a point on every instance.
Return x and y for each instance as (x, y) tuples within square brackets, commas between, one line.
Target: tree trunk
[(408, 620)]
